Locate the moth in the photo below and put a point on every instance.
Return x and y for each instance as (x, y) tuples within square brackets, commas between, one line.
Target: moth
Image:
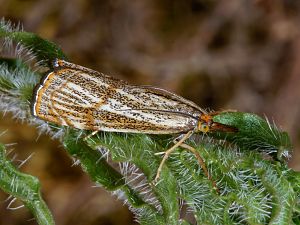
[(75, 96)]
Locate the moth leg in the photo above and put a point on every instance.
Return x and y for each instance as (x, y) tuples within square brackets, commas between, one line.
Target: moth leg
[(168, 152), (199, 158), (201, 162), (91, 135)]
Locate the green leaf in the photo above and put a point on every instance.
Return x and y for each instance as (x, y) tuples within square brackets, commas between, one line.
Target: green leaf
[(44, 50), (25, 188), (254, 133)]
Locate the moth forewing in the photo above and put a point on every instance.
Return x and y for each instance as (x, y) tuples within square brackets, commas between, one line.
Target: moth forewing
[(75, 96)]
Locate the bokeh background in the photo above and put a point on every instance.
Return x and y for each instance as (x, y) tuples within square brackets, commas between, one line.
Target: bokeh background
[(237, 54)]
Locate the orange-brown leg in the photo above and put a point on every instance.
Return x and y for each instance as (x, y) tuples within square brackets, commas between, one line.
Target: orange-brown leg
[(168, 152), (201, 162)]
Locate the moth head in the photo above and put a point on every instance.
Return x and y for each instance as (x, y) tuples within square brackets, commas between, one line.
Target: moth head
[(204, 124)]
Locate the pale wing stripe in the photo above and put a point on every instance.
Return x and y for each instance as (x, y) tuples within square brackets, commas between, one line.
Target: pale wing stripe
[(66, 100), (62, 102), (137, 115), (67, 109), (140, 115), (82, 91), (71, 96)]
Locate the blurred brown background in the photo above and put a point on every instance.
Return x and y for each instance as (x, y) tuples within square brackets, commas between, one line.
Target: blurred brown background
[(237, 54)]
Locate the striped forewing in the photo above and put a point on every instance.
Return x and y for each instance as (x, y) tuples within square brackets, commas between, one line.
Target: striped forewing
[(82, 98)]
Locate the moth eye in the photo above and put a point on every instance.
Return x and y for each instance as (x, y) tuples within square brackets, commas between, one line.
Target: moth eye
[(204, 128)]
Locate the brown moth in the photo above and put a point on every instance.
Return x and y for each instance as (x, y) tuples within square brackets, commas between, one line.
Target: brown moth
[(79, 97)]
